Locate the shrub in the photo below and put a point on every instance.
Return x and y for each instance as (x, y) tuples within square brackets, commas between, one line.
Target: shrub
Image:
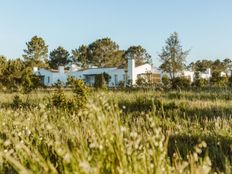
[(58, 99), (30, 81), (17, 102), (181, 83), (81, 92), (121, 84), (166, 81), (100, 82), (199, 83), (217, 80)]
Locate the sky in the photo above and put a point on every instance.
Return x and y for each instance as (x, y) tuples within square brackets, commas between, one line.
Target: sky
[(204, 26)]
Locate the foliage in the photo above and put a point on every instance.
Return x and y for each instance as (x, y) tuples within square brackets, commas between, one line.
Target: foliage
[(121, 84), (47, 141), (145, 81), (218, 80), (139, 54), (166, 81), (201, 65), (198, 81), (230, 81), (217, 65), (181, 83), (78, 102), (36, 53), (59, 57), (12, 72), (101, 52), (17, 102), (15, 74), (59, 100), (118, 59), (81, 92), (172, 132), (3, 66), (80, 56), (30, 81), (100, 81), (59, 84), (172, 56), (107, 77)]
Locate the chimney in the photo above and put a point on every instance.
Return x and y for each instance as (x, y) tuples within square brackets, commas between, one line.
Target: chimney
[(131, 71), (209, 71), (61, 69)]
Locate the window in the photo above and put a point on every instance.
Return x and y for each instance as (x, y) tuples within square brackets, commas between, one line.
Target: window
[(124, 77), (48, 79), (116, 79)]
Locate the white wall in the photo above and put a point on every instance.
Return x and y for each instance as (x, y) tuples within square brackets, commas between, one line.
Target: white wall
[(50, 78), (117, 75)]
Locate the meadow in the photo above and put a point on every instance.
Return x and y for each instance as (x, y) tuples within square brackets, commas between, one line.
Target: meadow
[(141, 131)]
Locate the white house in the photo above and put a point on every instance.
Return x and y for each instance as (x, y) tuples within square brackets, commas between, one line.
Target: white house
[(191, 74), (50, 77)]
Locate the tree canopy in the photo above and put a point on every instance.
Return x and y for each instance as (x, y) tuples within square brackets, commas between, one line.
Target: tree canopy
[(172, 56), (139, 54), (101, 51), (36, 53), (80, 56), (216, 65), (59, 57)]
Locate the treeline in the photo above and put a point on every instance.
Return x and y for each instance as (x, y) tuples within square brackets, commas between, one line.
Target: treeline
[(16, 74), (101, 53), (173, 61), (220, 75)]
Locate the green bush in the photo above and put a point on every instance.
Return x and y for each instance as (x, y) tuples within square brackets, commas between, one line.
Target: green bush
[(59, 100), (102, 81), (199, 83), (218, 81), (166, 82), (77, 102), (81, 92), (18, 103), (181, 83)]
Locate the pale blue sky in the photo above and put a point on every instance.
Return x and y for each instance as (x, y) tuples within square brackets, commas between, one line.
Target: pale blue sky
[(203, 25)]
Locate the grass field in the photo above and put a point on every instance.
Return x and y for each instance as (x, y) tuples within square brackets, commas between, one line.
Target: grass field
[(118, 132)]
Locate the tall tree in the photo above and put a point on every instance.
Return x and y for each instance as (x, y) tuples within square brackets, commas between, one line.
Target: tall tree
[(139, 54), (80, 56), (36, 53), (100, 52), (173, 56), (59, 57)]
